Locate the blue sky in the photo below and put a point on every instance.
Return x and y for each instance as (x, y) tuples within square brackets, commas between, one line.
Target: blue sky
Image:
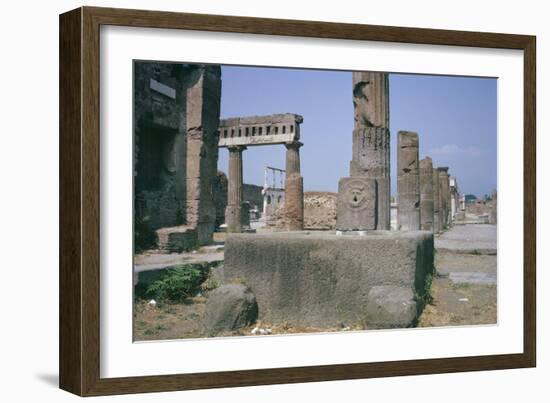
[(455, 118)]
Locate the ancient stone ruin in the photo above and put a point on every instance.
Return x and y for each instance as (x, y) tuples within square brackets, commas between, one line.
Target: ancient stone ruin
[(176, 117), (364, 197), (237, 134), (362, 275)]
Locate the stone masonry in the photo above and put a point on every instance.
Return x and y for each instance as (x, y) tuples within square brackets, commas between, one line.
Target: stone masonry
[(237, 134), (176, 115), (408, 184)]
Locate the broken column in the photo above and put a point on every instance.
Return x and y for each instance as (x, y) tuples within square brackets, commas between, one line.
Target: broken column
[(408, 184), (364, 197), (443, 196), (426, 194), (294, 189), (233, 211), (203, 117), (436, 200)]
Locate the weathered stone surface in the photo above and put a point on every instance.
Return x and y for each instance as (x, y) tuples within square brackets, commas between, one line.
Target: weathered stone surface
[(408, 184), (230, 307), (494, 208), (294, 203), (322, 279), (176, 116), (203, 117), (371, 99), (319, 212), (294, 189), (426, 194), (391, 307), (233, 212), (356, 204), (177, 239), (371, 159), (260, 130), (444, 207)]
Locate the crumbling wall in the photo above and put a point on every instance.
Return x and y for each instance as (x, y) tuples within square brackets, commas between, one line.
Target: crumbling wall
[(319, 212)]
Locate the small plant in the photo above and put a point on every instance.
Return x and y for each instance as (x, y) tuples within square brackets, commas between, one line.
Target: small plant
[(426, 296), (210, 284), (177, 284), (476, 252)]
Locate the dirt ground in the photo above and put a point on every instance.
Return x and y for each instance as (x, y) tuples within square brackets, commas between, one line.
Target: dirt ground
[(464, 293), (184, 320), (458, 304)]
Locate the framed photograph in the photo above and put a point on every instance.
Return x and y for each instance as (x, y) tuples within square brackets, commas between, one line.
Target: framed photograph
[(248, 201)]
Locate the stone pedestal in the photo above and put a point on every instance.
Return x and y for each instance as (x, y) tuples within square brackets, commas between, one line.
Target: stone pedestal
[(233, 211), (356, 204), (294, 189), (426, 194), (408, 185), (321, 279)]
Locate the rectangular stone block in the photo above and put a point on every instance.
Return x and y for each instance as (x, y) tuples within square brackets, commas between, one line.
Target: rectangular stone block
[(320, 279), (356, 204)]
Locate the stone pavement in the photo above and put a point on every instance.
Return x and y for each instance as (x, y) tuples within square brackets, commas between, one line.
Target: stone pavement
[(157, 261), (470, 239), (465, 289)]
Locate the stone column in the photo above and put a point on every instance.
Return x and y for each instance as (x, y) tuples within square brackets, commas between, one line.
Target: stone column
[(370, 154), (294, 189), (202, 122), (233, 211), (437, 214), (494, 208), (426, 194), (443, 197), (408, 185)]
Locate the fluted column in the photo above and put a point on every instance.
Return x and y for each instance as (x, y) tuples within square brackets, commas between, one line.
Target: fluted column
[(294, 189), (233, 211)]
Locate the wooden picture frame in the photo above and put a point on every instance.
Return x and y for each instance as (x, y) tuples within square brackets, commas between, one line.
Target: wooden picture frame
[(79, 200)]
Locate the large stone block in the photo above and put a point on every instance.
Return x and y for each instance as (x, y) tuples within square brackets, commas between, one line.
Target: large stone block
[(230, 307), (356, 204), (391, 307), (321, 279)]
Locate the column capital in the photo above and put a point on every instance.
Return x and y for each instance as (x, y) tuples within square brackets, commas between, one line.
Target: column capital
[(236, 148), (293, 144)]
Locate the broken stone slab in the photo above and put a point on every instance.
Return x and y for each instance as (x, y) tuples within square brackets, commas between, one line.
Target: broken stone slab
[(320, 279), (230, 307), (391, 307), (356, 204)]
